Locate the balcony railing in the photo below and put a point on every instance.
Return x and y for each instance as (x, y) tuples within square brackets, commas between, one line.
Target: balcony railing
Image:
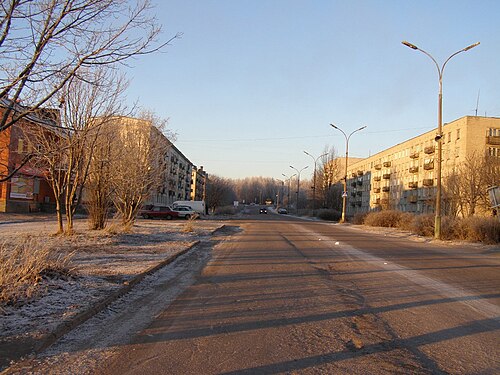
[(412, 199), (428, 166), (376, 178), (359, 182), (376, 190), (386, 189), (378, 166), (493, 140), (429, 150), (413, 185), (387, 164), (414, 155), (428, 182), (413, 169), (386, 176), (377, 201)]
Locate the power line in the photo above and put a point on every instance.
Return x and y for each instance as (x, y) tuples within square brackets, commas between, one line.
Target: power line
[(290, 138)]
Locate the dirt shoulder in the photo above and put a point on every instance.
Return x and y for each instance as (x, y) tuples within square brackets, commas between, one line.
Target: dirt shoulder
[(104, 266)]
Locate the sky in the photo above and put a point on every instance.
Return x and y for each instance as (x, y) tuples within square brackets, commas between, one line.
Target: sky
[(253, 84)]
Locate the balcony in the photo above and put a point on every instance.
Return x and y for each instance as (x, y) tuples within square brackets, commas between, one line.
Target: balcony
[(376, 190), (353, 184), (414, 155), (359, 182), (412, 199), (428, 166), (360, 173), (384, 202), (386, 189), (353, 174), (493, 140), (387, 164), (386, 176), (428, 182), (413, 169), (378, 166), (413, 185), (358, 193), (376, 178), (429, 150), (377, 201)]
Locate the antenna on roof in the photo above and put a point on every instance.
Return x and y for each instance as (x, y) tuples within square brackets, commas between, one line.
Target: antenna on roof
[(477, 102)]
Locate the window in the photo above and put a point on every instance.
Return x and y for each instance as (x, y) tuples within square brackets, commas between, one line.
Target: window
[(449, 137), (494, 151), (458, 134)]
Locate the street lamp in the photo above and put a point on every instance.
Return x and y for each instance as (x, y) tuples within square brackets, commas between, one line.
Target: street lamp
[(344, 193), (289, 182), (439, 135), (314, 177), (298, 183)]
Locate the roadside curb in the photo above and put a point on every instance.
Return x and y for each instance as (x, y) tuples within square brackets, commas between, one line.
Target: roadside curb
[(46, 340)]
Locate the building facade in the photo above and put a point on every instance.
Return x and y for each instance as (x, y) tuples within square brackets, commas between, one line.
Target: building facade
[(28, 189), (403, 177), (199, 180)]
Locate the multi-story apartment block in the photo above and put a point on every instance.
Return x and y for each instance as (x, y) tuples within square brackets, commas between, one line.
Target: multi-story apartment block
[(403, 177), (198, 184)]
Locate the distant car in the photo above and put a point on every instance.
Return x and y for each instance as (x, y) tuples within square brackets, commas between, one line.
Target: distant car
[(263, 211), (161, 212), (184, 212), (282, 211)]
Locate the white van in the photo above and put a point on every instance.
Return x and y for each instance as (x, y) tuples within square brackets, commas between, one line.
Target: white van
[(198, 206)]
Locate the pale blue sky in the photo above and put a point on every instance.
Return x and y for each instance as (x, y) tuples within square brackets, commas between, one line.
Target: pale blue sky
[(252, 84)]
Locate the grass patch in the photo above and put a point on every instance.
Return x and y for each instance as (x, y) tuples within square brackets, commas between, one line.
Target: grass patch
[(25, 264)]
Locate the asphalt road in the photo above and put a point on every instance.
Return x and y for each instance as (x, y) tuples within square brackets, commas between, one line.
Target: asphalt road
[(289, 296)]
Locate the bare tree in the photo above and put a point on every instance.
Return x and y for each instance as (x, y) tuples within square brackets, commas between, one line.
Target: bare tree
[(138, 162), (328, 174), (45, 44), (85, 107), (465, 187), (220, 192)]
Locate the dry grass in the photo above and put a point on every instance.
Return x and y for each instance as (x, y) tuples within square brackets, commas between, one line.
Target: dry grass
[(24, 265), (189, 226)]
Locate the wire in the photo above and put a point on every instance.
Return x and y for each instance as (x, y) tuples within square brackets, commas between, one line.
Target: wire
[(285, 138)]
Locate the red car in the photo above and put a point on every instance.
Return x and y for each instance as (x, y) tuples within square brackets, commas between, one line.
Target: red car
[(163, 212)]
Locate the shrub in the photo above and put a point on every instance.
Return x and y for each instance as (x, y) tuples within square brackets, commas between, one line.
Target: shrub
[(386, 218), (330, 215), (359, 218), (423, 225), (24, 265), (483, 229), (225, 210)]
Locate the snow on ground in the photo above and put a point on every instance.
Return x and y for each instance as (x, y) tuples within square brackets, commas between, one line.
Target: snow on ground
[(101, 263)]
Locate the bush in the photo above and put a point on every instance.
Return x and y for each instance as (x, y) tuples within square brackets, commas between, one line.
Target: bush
[(482, 229), (359, 218), (423, 225), (329, 215), (24, 265), (386, 218)]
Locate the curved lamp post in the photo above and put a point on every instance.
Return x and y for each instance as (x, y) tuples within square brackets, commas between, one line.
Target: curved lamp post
[(289, 182), (439, 135), (344, 193), (298, 183), (314, 177)]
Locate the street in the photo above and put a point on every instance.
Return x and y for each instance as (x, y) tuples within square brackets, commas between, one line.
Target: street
[(281, 295)]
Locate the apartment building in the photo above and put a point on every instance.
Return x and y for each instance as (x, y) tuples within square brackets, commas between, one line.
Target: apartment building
[(403, 177), (199, 180)]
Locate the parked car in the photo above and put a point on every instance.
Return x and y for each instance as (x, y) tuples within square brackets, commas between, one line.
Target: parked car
[(162, 212), (263, 211), (185, 212), (282, 211)]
